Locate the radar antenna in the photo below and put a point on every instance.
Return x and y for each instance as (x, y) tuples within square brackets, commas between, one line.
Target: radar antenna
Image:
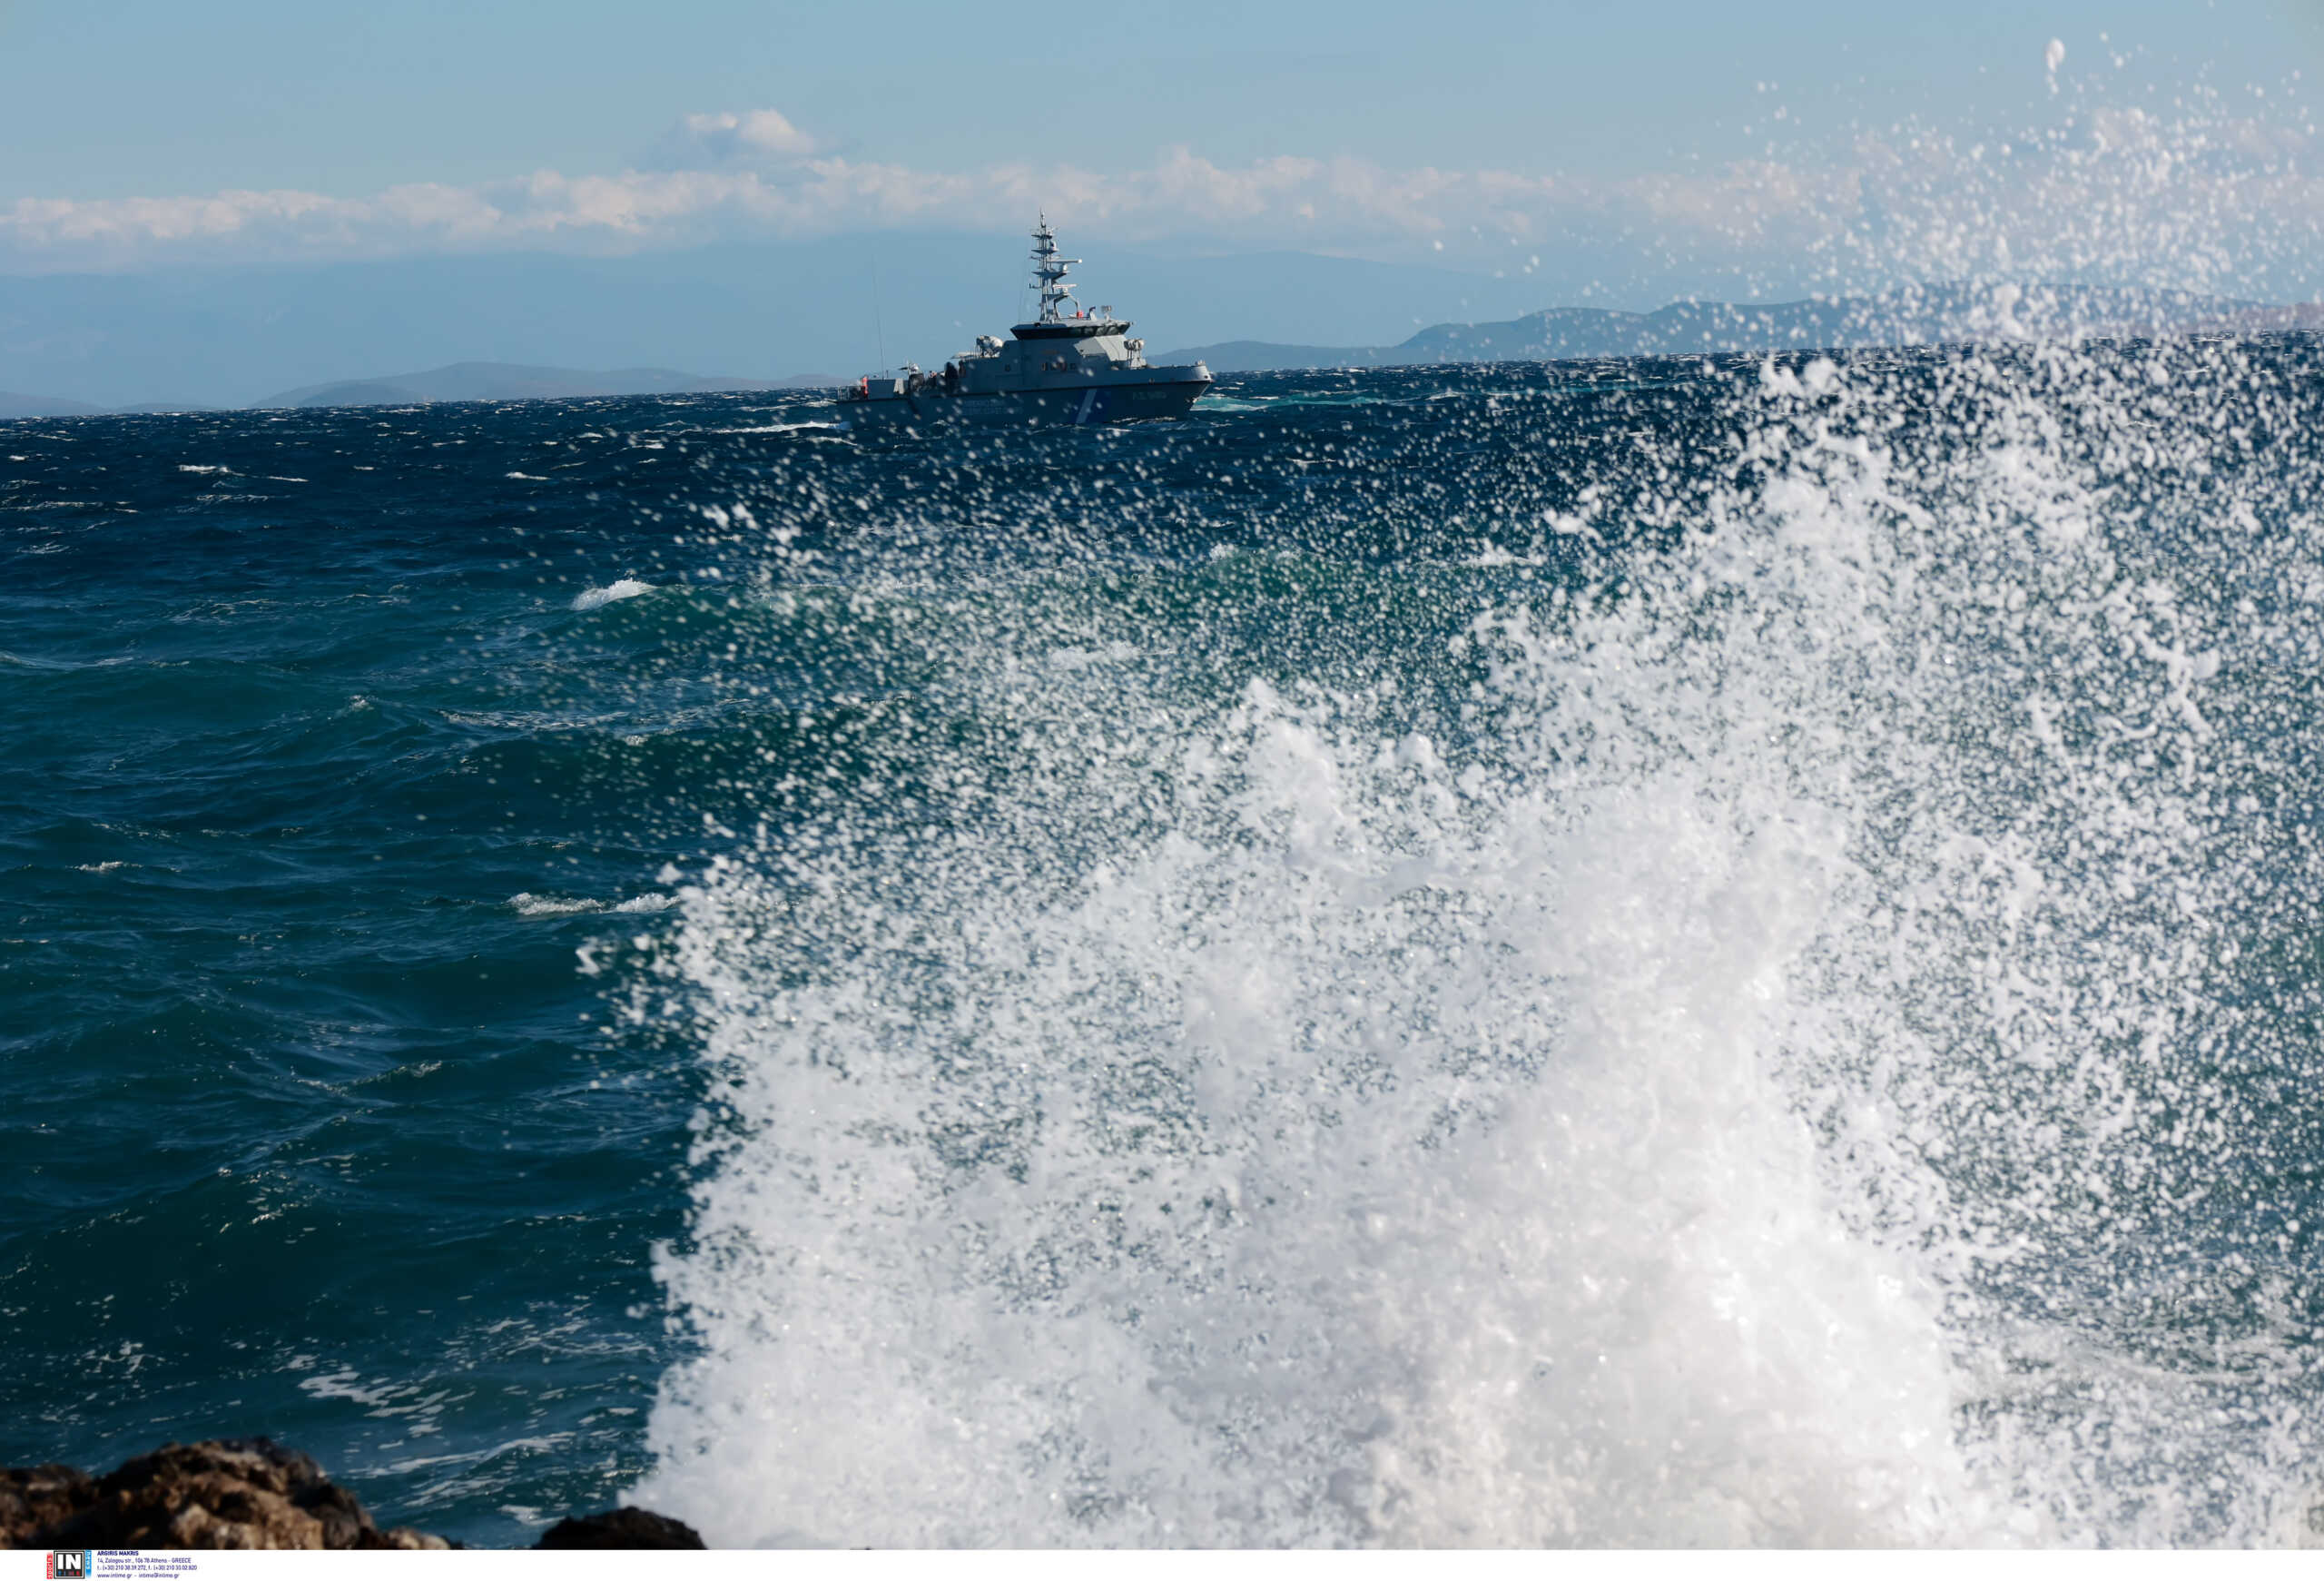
[(1049, 272)]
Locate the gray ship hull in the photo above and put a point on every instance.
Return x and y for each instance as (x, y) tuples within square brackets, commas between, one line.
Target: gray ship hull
[(1060, 367), (1093, 403)]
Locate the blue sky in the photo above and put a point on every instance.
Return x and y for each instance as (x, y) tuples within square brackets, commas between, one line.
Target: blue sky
[(1797, 145), (116, 98)]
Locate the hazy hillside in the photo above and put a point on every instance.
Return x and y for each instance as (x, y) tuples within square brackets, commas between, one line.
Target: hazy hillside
[(455, 381), (512, 381), (1929, 315), (232, 336), (1923, 315), (13, 405)]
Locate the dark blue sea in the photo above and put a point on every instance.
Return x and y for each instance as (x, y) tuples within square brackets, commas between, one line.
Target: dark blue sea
[(1696, 951)]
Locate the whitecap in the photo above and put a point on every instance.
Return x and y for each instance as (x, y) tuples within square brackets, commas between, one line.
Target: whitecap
[(1075, 658), (597, 597), (1546, 1139), (527, 904)]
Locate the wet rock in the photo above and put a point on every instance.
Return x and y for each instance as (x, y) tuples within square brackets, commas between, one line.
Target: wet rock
[(222, 1493), (627, 1527), (249, 1493), (36, 1497), (403, 1537)]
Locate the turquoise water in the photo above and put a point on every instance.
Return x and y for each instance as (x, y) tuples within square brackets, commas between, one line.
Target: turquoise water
[(1659, 953)]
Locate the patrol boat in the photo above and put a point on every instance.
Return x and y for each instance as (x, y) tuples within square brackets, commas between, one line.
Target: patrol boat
[(1070, 365)]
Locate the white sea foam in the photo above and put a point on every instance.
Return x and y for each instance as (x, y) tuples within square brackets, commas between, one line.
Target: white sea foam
[(527, 904), (1079, 658), (551, 905), (347, 1384), (597, 597), (1615, 1128)]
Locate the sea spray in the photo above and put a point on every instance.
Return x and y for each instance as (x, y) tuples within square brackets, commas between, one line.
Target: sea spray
[(1876, 808), (1699, 1054)]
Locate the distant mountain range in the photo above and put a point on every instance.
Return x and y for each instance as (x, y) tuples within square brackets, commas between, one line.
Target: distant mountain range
[(457, 382), (232, 335), (1927, 316), (15, 405), (236, 335), (513, 382)]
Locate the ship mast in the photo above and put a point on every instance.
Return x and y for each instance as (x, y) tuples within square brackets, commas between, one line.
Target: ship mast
[(1049, 272)]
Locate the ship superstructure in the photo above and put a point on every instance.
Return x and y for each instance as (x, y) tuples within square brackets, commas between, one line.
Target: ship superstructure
[(1068, 365)]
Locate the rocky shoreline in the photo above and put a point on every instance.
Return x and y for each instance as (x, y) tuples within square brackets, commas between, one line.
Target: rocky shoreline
[(249, 1493)]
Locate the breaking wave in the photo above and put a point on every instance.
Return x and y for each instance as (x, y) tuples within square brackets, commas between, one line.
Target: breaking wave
[(1754, 1010)]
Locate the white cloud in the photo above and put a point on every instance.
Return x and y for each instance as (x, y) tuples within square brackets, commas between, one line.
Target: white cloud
[(727, 139), (2113, 192)]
